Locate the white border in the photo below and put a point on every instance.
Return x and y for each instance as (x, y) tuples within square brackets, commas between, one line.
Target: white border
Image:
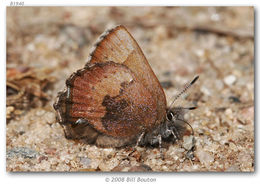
[(71, 179)]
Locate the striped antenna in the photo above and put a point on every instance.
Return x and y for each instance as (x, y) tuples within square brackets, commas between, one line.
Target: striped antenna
[(183, 91)]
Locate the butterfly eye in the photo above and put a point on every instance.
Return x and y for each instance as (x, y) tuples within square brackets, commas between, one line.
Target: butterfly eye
[(169, 116)]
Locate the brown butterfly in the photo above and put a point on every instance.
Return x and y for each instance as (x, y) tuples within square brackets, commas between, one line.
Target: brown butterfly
[(116, 99)]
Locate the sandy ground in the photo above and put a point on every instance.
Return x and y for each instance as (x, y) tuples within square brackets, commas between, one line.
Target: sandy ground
[(45, 45)]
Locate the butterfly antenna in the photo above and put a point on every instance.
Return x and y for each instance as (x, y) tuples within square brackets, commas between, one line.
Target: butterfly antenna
[(183, 91), (192, 131)]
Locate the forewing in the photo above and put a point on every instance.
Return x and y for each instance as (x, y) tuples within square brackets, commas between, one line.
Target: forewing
[(119, 46)]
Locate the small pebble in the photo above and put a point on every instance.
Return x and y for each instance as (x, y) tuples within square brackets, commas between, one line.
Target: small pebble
[(85, 161), (229, 80), (23, 152), (9, 110), (40, 112), (200, 52), (108, 165), (204, 157), (188, 142), (205, 90), (229, 113), (233, 168), (233, 147)]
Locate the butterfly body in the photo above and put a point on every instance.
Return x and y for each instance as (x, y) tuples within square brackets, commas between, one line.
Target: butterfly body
[(116, 99)]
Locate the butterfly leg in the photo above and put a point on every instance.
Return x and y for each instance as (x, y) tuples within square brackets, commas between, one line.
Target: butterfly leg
[(176, 136), (137, 143), (160, 145), (175, 133), (190, 153), (157, 140), (139, 139)]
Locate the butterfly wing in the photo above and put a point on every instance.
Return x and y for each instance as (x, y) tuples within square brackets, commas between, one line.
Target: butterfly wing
[(110, 98), (119, 46)]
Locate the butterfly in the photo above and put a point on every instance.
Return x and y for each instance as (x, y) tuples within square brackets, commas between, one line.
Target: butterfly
[(116, 99)]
